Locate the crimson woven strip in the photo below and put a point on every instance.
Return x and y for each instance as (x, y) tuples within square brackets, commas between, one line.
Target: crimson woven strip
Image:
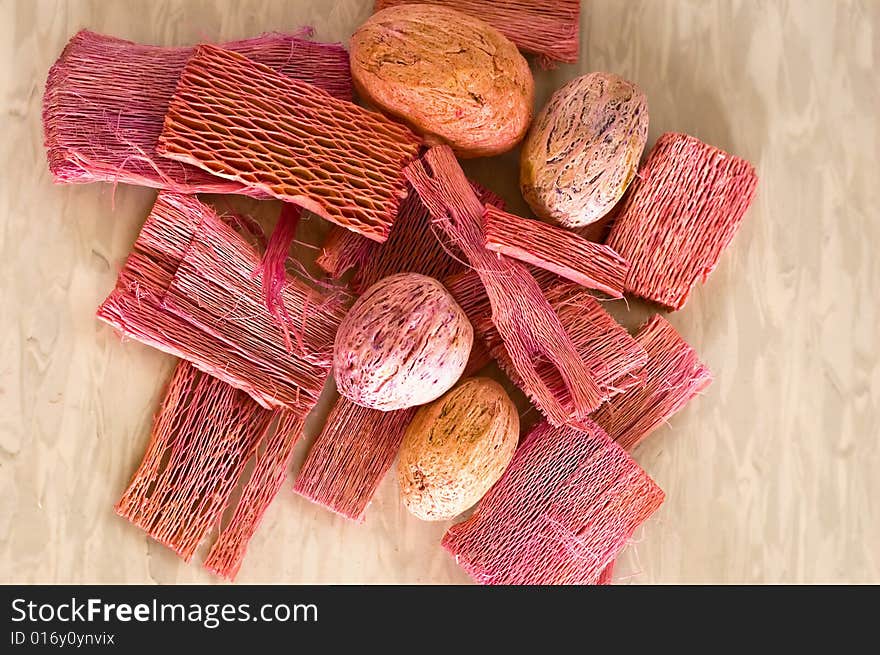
[(351, 456), (550, 28), (555, 249), (679, 214), (187, 288), (607, 575), (674, 376), (541, 352), (565, 507), (343, 250), (242, 121), (106, 100)]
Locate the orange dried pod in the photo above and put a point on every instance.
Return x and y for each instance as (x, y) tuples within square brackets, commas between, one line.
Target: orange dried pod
[(452, 77)]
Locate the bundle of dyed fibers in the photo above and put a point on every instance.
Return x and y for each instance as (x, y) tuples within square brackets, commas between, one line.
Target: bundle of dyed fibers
[(187, 289), (549, 29), (674, 375), (555, 249), (106, 100), (565, 507), (616, 360), (343, 250), (541, 353), (679, 214), (203, 437), (351, 456), (242, 121)]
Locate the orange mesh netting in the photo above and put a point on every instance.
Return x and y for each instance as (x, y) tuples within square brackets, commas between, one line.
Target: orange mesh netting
[(674, 376), (202, 438), (187, 289), (678, 215), (106, 99), (566, 505), (351, 456), (541, 352), (550, 28), (243, 121), (555, 249)]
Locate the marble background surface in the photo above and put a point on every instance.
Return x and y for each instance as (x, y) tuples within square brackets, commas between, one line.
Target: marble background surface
[(771, 476)]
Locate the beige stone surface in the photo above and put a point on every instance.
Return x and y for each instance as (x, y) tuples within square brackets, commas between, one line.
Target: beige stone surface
[(771, 476)]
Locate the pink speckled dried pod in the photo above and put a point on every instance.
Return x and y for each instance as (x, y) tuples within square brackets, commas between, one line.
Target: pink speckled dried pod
[(456, 448), (452, 77), (583, 149), (404, 342)]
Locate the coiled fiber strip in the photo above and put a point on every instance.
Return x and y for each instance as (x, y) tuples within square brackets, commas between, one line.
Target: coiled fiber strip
[(565, 507), (242, 121), (351, 456), (674, 376), (543, 355), (187, 289), (555, 249), (550, 28), (678, 215), (106, 100)]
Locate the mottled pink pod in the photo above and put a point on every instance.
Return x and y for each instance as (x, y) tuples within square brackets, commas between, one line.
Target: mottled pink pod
[(405, 342), (583, 149)]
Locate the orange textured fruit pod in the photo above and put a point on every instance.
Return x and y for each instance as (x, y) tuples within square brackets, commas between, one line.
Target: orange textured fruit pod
[(549, 29), (679, 214), (556, 249), (555, 376), (565, 507), (674, 375), (242, 121)]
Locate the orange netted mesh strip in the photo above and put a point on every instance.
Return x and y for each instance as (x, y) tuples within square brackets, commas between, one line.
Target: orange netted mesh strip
[(550, 28), (678, 215), (556, 249), (546, 360), (566, 505), (243, 121)]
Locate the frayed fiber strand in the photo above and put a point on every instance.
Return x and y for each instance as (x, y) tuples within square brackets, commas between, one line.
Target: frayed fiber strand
[(242, 121), (678, 215), (272, 269), (343, 250), (106, 100), (351, 456), (556, 249), (674, 376), (565, 507), (549, 28), (540, 350)]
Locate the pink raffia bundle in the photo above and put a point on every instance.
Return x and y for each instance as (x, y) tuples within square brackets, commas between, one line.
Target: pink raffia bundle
[(679, 214), (188, 289), (674, 376), (567, 504), (203, 437), (242, 121), (541, 353), (550, 29), (106, 100), (556, 249), (351, 456)]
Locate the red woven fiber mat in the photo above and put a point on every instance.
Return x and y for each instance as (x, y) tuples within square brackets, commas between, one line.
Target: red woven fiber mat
[(678, 215), (106, 100), (567, 504), (243, 121)]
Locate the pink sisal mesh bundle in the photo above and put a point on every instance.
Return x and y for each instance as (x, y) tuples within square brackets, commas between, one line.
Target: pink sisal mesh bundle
[(343, 250), (550, 29), (555, 249), (565, 507), (106, 100), (351, 456), (674, 376), (541, 352), (679, 214), (202, 438), (187, 289), (242, 121)]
